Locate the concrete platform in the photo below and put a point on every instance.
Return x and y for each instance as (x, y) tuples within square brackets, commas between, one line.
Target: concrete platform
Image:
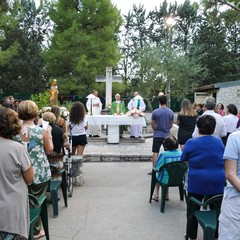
[(126, 150)]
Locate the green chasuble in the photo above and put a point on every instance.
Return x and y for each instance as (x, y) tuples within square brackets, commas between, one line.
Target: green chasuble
[(118, 107)]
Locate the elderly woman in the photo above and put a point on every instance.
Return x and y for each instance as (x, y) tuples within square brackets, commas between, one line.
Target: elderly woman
[(15, 174), (59, 121), (206, 175), (38, 142), (59, 140)]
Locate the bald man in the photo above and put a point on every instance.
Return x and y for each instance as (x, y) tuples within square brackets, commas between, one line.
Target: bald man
[(136, 103)]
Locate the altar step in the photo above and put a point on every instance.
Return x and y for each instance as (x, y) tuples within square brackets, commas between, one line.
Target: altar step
[(128, 149), (126, 139), (116, 158)]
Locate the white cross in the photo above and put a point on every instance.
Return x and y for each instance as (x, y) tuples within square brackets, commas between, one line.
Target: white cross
[(109, 79)]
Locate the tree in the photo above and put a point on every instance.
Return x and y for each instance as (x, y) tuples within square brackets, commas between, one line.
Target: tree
[(162, 66), (233, 4), (83, 43), (155, 54), (25, 70), (7, 23)]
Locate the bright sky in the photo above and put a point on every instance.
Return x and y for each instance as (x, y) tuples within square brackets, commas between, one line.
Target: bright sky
[(126, 5)]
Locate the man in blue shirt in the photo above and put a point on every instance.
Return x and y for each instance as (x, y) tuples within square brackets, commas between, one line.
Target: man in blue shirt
[(162, 121)]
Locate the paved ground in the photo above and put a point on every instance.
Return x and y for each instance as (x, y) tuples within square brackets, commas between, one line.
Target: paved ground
[(113, 202)]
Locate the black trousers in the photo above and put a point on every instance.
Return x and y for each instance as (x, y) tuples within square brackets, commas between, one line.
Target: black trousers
[(192, 224)]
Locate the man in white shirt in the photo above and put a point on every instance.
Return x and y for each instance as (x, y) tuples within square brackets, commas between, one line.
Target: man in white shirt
[(220, 129), (94, 107), (136, 103)]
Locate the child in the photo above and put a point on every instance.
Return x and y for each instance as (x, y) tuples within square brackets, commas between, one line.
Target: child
[(170, 154), (79, 127)]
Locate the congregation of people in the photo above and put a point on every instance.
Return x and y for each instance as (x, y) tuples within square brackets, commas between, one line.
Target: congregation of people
[(31, 144), (208, 141), (207, 136)]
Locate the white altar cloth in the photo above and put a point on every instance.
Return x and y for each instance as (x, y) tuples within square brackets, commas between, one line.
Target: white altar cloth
[(113, 123)]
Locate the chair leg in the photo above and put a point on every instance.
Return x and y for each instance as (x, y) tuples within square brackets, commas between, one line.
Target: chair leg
[(181, 193), (163, 198), (153, 183), (44, 218), (186, 196), (209, 234), (64, 188), (54, 198), (30, 237)]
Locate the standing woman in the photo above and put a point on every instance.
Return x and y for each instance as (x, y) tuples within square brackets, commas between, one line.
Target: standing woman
[(206, 175), (186, 120), (15, 174), (231, 121), (229, 217), (38, 142), (78, 125), (220, 109)]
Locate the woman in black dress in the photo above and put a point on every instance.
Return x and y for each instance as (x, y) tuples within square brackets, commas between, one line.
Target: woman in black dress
[(186, 120)]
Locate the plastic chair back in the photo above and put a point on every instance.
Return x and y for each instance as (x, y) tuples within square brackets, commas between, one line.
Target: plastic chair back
[(209, 219), (176, 171)]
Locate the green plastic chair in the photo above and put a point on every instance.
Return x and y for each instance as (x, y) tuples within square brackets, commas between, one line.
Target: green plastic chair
[(54, 185), (8, 237), (40, 209), (208, 219), (176, 171)]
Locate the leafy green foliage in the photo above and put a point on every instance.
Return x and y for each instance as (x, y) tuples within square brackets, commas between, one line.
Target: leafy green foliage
[(83, 44), (42, 99), (7, 23), (22, 65)]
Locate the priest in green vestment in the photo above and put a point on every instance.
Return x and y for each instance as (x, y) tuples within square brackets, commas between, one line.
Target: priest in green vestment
[(118, 108)]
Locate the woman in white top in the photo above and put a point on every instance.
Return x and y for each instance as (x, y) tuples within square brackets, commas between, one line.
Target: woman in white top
[(78, 125), (231, 121)]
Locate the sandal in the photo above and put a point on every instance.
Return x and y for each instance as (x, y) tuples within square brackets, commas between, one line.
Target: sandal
[(155, 198), (40, 235)]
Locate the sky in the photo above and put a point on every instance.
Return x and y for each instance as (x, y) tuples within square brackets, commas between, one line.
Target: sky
[(126, 5)]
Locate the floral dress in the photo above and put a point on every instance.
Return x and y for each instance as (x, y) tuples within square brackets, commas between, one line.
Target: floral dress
[(39, 159)]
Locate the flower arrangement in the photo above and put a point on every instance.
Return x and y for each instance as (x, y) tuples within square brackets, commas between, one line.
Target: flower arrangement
[(43, 110), (64, 113)]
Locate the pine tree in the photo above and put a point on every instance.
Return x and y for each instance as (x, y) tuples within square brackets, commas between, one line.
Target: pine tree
[(83, 44)]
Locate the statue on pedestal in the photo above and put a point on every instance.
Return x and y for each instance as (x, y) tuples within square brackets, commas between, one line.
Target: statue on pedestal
[(54, 93)]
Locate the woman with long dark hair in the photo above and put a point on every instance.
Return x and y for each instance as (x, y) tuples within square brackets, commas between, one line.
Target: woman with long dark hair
[(78, 125)]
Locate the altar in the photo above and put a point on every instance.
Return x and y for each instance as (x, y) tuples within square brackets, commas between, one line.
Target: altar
[(113, 123)]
